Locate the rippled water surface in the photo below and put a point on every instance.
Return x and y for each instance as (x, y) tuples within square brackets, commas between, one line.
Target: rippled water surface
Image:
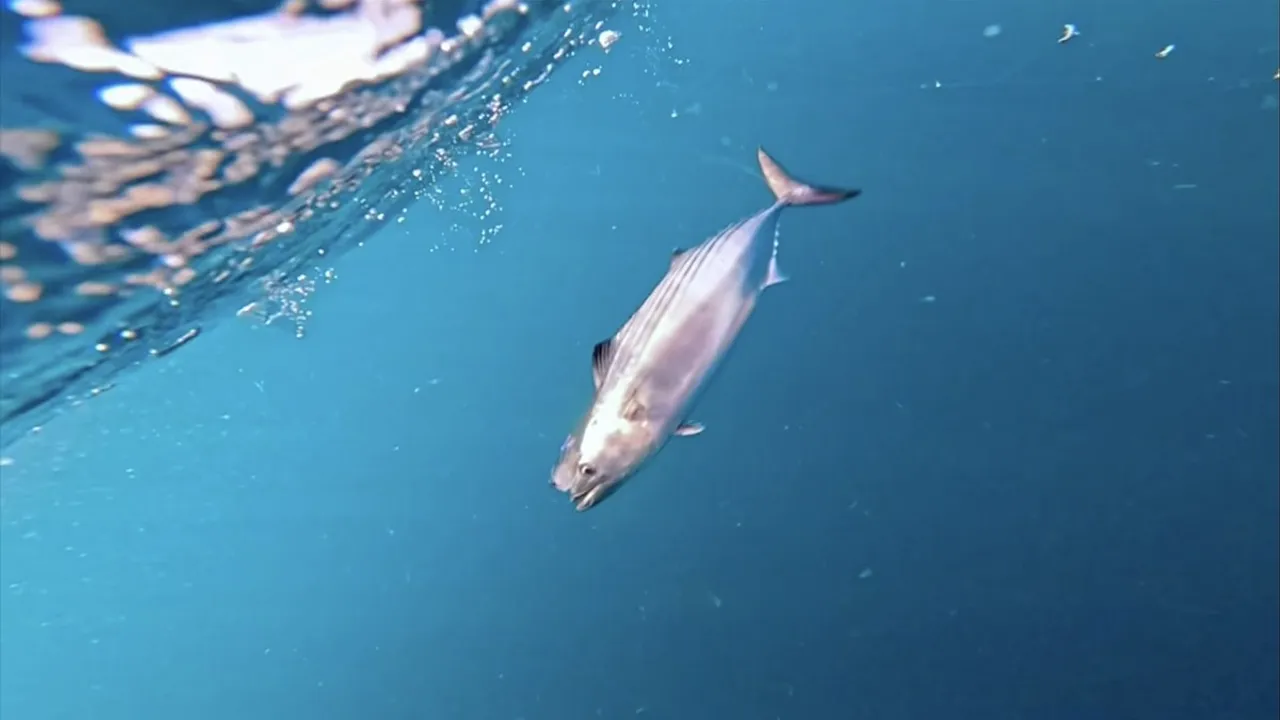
[(165, 168)]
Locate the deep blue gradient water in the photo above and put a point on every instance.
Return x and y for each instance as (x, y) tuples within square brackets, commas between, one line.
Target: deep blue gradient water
[(1004, 447)]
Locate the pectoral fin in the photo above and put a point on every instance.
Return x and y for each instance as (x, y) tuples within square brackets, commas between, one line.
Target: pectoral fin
[(633, 410), (689, 429)]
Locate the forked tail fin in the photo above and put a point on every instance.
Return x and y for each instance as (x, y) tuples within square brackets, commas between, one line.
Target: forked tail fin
[(791, 191)]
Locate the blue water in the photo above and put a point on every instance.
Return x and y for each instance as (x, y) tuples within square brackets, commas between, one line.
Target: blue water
[(1003, 447)]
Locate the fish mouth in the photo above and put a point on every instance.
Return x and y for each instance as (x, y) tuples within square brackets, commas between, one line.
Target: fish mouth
[(586, 499), (584, 493)]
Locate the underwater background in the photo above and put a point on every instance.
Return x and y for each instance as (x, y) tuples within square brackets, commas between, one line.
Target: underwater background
[(1005, 446)]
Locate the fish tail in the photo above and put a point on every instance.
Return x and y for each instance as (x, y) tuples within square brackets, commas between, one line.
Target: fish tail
[(791, 191)]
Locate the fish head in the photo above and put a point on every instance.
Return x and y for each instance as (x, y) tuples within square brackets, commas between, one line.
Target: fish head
[(598, 457)]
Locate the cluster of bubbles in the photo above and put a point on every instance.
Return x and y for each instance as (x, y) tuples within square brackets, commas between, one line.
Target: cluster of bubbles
[(284, 299), (186, 169)]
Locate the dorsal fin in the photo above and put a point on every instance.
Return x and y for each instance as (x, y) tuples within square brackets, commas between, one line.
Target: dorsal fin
[(601, 359), (675, 255)]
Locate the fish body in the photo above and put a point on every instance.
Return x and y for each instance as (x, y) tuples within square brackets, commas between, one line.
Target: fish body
[(648, 374)]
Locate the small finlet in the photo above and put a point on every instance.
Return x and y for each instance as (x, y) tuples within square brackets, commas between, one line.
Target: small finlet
[(689, 429), (601, 359), (774, 275), (791, 191)]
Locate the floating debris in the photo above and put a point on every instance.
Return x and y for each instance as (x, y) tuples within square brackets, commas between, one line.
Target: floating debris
[(183, 339), (608, 38), (1163, 52)]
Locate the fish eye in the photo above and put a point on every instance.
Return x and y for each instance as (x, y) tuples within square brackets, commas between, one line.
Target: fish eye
[(587, 470)]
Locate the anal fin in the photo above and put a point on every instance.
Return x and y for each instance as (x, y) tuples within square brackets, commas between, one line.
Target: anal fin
[(774, 275), (689, 429)]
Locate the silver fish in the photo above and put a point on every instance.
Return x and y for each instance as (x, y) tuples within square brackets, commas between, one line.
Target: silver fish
[(648, 374)]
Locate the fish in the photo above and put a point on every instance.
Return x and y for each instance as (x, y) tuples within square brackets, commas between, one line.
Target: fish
[(649, 373)]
